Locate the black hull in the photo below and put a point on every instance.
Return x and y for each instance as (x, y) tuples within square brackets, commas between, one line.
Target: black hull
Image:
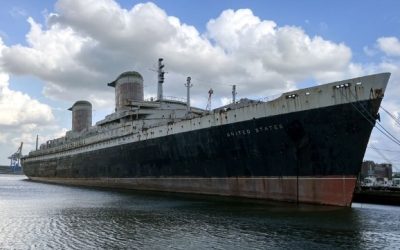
[(329, 141), (318, 142)]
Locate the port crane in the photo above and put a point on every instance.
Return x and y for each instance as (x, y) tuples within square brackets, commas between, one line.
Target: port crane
[(15, 158)]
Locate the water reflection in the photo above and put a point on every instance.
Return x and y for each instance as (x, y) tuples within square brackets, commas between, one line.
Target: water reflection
[(50, 216)]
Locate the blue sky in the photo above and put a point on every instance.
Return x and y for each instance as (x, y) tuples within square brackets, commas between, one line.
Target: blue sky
[(350, 38)]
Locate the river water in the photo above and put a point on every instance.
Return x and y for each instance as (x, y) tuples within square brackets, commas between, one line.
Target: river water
[(44, 216)]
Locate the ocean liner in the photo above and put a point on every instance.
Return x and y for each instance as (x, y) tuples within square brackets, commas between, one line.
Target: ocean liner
[(304, 146)]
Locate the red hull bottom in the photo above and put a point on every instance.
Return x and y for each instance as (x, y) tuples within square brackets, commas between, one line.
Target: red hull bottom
[(326, 190)]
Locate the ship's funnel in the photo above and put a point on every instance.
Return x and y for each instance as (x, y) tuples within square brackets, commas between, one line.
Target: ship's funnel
[(128, 87), (81, 115)]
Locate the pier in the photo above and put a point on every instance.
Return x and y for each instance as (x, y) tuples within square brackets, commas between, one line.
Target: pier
[(378, 195)]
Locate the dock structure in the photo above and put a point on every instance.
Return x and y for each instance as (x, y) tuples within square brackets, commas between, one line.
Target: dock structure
[(7, 170), (378, 195)]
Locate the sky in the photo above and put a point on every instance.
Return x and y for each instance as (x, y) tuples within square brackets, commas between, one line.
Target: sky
[(53, 53)]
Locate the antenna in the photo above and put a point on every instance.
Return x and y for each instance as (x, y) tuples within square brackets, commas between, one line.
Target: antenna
[(160, 73), (234, 93), (210, 92), (188, 86), (37, 141)]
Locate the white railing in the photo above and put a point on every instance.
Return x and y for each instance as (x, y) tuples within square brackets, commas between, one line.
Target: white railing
[(172, 98)]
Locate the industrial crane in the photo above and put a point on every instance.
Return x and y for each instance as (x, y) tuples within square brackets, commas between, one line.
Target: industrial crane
[(15, 158)]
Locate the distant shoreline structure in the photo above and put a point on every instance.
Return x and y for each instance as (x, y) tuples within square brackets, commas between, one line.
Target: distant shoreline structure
[(8, 170)]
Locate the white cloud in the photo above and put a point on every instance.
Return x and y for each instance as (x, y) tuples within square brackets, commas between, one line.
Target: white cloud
[(225, 100), (20, 117), (274, 56), (83, 48), (389, 45), (17, 108)]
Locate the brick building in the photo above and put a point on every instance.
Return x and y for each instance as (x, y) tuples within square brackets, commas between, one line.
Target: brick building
[(372, 169)]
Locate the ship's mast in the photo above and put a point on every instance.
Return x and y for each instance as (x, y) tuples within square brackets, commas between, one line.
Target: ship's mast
[(161, 73), (210, 92), (188, 86), (234, 93)]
